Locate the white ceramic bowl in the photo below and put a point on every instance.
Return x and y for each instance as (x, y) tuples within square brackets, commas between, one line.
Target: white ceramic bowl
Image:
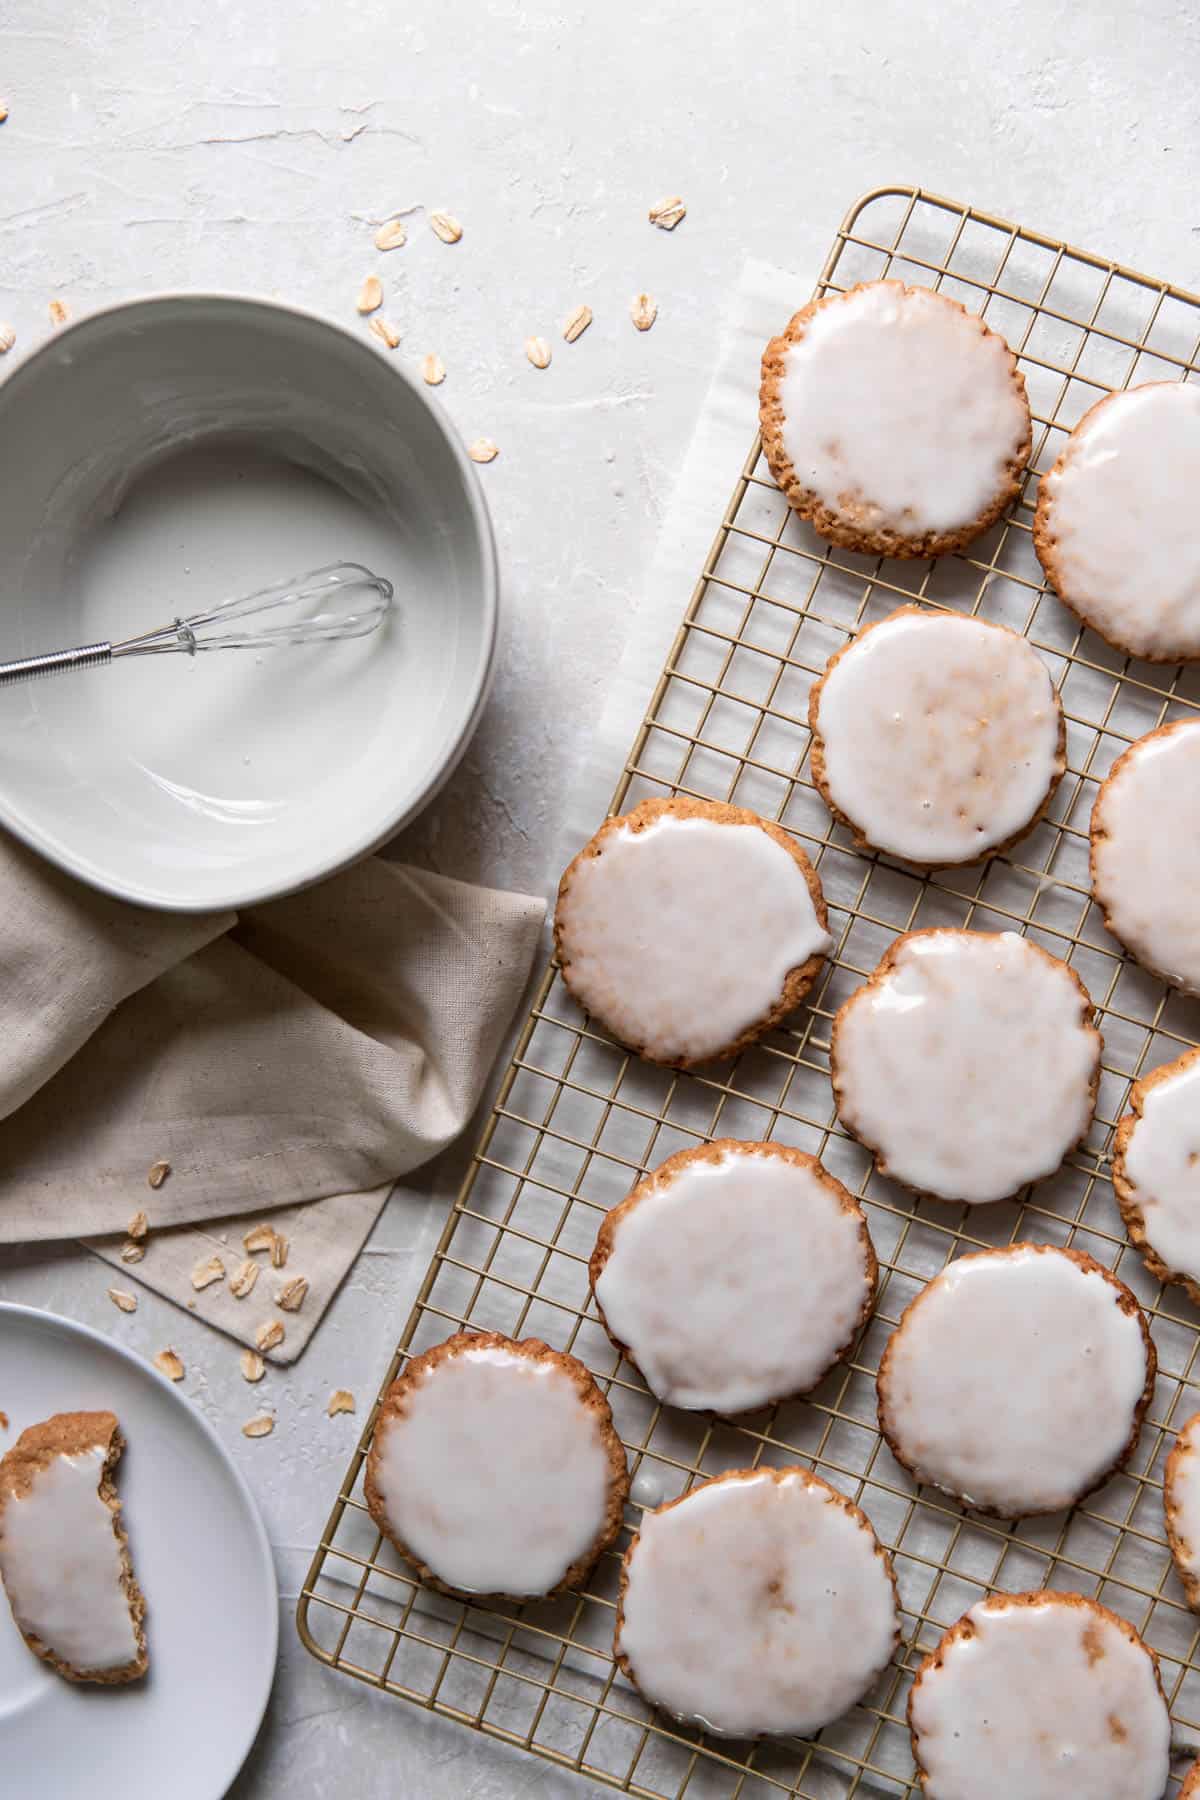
[(172, 452)]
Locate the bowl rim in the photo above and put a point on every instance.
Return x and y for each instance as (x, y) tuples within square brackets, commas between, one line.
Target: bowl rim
[(479, 687)]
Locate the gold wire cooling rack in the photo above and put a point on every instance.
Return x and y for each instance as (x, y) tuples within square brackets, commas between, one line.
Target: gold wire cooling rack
[(578, 1120)]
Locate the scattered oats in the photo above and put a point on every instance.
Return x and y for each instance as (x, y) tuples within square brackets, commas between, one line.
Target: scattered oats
[(253, 1366), (291, 1295), (169, 1365), (433, 370), (483, 450), (385, 331), (158, 1174), (131, 1252), (8, 338), (667, 214), (59, 313), (341, 1400), (446, 227), (262, 1426), (205, 1273), (538, 352), (138, 1226), (270, 1334), (391, 236), (242, 1281), (259, 1237), (643, 311), (279, 1250), (370, 296), (126, 1302), (577, 323)]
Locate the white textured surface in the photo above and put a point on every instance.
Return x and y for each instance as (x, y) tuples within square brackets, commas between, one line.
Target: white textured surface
[(233, 146)]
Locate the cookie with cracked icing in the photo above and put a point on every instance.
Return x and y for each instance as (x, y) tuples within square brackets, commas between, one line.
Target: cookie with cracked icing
[(733, 1275), (761, 1602), (967, 1062), (1145, 852), (1156, 1171), (1115, 522), (937, 738), (688, 928), (1045, 1696), (64, 1552), (1017, 1421), (495, 1468), (895, 421), (1181, 1507)]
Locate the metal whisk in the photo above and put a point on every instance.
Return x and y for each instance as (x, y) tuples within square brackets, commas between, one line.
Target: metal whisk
[(343, 600)]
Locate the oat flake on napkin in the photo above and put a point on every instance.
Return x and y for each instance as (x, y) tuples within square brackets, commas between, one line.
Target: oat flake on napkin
[(300, 1056)]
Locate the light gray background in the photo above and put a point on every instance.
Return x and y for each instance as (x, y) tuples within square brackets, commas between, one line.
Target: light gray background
[(251, 144)]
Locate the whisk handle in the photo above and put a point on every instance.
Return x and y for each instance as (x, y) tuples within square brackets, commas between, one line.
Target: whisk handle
[(55, 662)]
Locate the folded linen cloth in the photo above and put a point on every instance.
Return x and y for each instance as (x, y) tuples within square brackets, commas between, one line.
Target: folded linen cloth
[(301, 1055)]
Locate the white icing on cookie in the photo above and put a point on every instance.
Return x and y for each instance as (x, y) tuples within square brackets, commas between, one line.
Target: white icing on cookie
[(1014, 1380), (939, 735), (495, 1474), (1146, 852), (679, 937), (965, 1063), (1161, 1163), (1044, 1698), (757, 1604), (61, 1565), (1181, 1501), (1120, 508), (901, 411), (736, 1280)]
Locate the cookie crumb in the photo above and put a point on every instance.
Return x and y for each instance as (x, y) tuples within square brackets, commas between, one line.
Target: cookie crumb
[(3, 1421), (169, 1365), (126, 1302), (340, 1401)]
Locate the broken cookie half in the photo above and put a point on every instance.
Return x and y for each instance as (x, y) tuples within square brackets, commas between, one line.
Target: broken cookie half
[(64, 1555)]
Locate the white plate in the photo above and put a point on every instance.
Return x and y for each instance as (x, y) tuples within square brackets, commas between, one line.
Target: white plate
[(179, 451), (203, 1561)]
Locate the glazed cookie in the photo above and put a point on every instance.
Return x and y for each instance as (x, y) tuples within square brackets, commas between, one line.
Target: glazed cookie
[(64, 1555), (1017, 1381), (1042, 1696), (1191, 1787), (495, 1467), (1115, 522), (1156, 1170), (936, 738), (1145, 852), (894, 420), (733, 1275), (967, 1062), (688, 928), (1181, 1507), (759, 1603)]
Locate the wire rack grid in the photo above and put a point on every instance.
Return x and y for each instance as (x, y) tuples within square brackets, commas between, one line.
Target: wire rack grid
[(578, 1120)]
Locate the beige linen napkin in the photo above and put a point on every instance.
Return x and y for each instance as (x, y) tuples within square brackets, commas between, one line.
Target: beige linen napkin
[(310, 1051)]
